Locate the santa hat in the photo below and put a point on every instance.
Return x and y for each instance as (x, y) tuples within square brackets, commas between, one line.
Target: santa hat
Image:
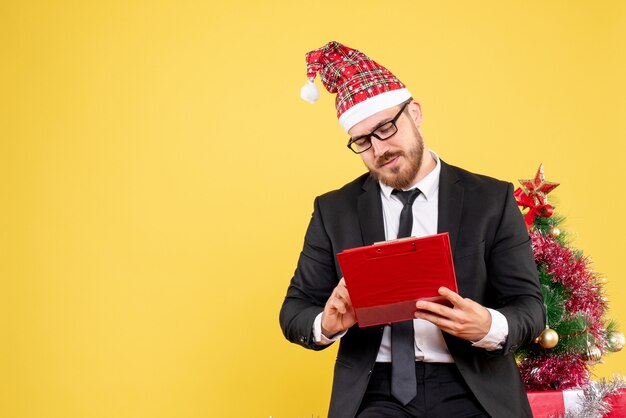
[(363, 86)]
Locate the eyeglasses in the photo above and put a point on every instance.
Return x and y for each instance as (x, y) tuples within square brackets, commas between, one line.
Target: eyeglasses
[(382, 133)]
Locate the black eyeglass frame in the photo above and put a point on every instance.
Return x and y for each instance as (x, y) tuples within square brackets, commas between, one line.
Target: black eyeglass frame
[(369, 136)]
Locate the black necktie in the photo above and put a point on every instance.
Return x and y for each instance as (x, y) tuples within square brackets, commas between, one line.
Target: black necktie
[(403, 382)]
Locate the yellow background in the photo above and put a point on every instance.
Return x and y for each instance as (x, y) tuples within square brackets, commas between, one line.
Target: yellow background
[(158, 171)]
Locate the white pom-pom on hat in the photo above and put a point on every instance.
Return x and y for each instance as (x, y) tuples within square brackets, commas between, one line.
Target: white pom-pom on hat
[(309, 92)]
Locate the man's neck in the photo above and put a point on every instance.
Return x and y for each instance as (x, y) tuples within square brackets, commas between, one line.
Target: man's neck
[(428, 164)]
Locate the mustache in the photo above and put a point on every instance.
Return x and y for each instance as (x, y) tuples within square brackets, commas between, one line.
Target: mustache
[(386, 157)]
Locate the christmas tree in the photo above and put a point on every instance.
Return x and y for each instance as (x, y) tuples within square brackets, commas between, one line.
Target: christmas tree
[(577, 333)]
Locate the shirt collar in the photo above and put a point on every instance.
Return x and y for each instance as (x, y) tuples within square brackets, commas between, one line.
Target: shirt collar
[(429, 185)]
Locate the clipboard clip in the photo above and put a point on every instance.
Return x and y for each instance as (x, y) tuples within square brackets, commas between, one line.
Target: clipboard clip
[(383, 250), (393, 240)]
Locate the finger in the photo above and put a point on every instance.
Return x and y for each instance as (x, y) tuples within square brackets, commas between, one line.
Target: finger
[(338, 305), (436, 308), (342, 292), (440, 322), (453, 297)]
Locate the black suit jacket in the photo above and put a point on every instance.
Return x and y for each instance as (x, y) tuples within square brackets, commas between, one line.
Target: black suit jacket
[(494, 267)]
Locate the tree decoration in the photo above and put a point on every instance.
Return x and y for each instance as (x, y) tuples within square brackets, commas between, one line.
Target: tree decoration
[(534, 195), (593, 354), (596, 394), (549, 338), (615, 341), (578, 335), (554, 232)]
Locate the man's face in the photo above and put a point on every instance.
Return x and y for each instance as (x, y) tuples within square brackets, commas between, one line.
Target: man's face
[(397, 160)]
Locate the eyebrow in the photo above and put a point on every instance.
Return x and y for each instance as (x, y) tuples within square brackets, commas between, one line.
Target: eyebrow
[(381, 123)]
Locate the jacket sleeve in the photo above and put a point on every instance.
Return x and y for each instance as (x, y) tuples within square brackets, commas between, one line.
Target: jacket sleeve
[(513, 275), (313, 282)]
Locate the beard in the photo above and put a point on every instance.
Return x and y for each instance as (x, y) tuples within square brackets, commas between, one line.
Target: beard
[(400, 177)]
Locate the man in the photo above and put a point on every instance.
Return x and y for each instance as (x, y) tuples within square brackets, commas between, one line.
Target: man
[(459, 361)]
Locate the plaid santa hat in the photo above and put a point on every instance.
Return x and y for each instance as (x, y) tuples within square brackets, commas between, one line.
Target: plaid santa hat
[(363, 87)]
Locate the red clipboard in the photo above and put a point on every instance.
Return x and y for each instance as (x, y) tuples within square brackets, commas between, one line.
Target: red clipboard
[(386, 279)]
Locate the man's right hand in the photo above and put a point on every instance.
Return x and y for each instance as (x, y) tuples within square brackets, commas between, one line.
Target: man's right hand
[(338, 313)]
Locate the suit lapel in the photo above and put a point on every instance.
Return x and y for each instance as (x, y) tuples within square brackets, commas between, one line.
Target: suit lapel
[(450, 203), (370, 212)]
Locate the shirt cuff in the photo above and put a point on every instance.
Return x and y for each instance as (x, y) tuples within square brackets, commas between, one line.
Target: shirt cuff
[(499, 331), (321, 339)]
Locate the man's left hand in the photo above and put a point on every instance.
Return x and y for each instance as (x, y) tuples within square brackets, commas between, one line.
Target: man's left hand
[(466, 319)]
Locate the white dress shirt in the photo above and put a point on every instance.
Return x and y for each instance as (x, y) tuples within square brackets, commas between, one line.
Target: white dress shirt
[(429, 343)]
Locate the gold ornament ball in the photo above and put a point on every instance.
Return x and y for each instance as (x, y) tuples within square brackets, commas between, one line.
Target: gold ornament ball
[(593, 355), (615, 341), (549, 338), (554, 232)]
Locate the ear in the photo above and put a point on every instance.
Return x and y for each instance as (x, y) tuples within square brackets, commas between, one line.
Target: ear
[(415, 110)]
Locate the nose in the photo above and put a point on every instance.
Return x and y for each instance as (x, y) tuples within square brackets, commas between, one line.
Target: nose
[(379, 147)]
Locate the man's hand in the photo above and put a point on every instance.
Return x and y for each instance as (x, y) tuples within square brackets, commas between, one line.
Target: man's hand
[(338, 313), (466, 319)]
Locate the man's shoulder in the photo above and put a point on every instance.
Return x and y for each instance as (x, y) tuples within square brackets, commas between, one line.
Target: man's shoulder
[(473, 180), (349, 190)]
